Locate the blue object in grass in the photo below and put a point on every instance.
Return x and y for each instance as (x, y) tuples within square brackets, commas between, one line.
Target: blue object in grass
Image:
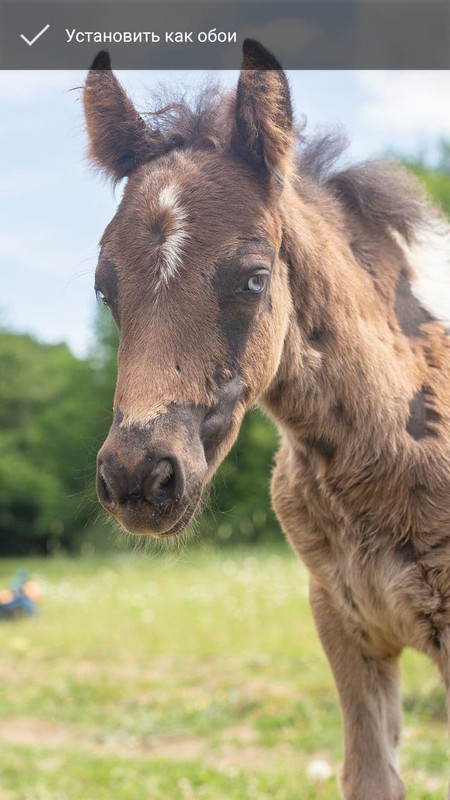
[(20, 603)]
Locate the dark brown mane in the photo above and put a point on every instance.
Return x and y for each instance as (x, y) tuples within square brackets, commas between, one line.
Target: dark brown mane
[(200, 122), (382, 192)]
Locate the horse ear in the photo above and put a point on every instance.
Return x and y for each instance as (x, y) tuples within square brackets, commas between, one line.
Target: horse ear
[(119, 139), (264, 118)]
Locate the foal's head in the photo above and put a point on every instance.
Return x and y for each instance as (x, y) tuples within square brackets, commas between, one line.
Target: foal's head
[(190, 267)]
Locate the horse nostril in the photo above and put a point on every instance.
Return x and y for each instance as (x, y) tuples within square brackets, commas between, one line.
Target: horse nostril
[(164, 482), (165, 475), (157, 482), (104, 491)]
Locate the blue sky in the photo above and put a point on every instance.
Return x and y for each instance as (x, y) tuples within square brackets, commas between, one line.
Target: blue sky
[(53, 209)]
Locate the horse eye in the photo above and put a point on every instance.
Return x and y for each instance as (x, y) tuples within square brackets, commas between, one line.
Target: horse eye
[(101, 297), (256, 283)]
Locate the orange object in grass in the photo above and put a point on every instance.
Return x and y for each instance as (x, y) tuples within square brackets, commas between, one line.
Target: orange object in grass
[(32, 590), (6, 596)]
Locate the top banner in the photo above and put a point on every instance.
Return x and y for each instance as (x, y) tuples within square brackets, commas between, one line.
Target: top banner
[(320, 34)]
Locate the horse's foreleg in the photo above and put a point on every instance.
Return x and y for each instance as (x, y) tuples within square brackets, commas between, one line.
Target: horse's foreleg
[(368, 692)]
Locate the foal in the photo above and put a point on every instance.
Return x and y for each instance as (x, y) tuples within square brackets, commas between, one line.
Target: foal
[(241, 268)]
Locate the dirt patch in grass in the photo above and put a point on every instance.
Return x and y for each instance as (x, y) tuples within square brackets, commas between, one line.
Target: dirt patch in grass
[(236, 748), (34, 732), (38, 732)]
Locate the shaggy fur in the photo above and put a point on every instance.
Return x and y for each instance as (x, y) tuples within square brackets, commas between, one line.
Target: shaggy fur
[(335, 348)]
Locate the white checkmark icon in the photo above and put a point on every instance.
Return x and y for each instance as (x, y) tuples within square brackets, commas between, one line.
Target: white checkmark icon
[(38, 35)]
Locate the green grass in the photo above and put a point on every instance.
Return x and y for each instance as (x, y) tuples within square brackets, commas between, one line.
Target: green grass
[(190, 676)]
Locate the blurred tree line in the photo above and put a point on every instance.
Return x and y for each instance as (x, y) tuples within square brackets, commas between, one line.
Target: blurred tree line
[(55, 410)]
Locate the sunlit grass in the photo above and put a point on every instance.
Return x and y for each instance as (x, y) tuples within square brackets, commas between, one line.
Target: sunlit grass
[(194, 676)]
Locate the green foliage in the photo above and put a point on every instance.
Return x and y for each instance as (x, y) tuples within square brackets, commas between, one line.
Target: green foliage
[(437, 184), (437, 181), (46, 407), (239, 507)]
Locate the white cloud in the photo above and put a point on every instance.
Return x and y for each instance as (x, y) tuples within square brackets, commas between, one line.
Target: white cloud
[(407, 100)]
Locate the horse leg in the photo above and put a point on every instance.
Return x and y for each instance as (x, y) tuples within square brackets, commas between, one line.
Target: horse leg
[(369, 697), (389, 676)]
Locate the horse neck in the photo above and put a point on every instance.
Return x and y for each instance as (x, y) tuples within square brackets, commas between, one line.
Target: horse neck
[(347, 373)]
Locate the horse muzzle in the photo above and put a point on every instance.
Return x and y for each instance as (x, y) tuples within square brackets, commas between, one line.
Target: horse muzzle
[(151, 477), (149, 481)]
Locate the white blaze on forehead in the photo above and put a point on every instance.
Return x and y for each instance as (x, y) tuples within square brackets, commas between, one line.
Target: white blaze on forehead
[(171, 251)]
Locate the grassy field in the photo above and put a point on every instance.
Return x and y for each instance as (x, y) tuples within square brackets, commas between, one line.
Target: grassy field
[(191, 676)]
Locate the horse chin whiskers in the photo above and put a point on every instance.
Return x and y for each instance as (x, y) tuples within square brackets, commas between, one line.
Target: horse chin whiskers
[(143, 522)]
